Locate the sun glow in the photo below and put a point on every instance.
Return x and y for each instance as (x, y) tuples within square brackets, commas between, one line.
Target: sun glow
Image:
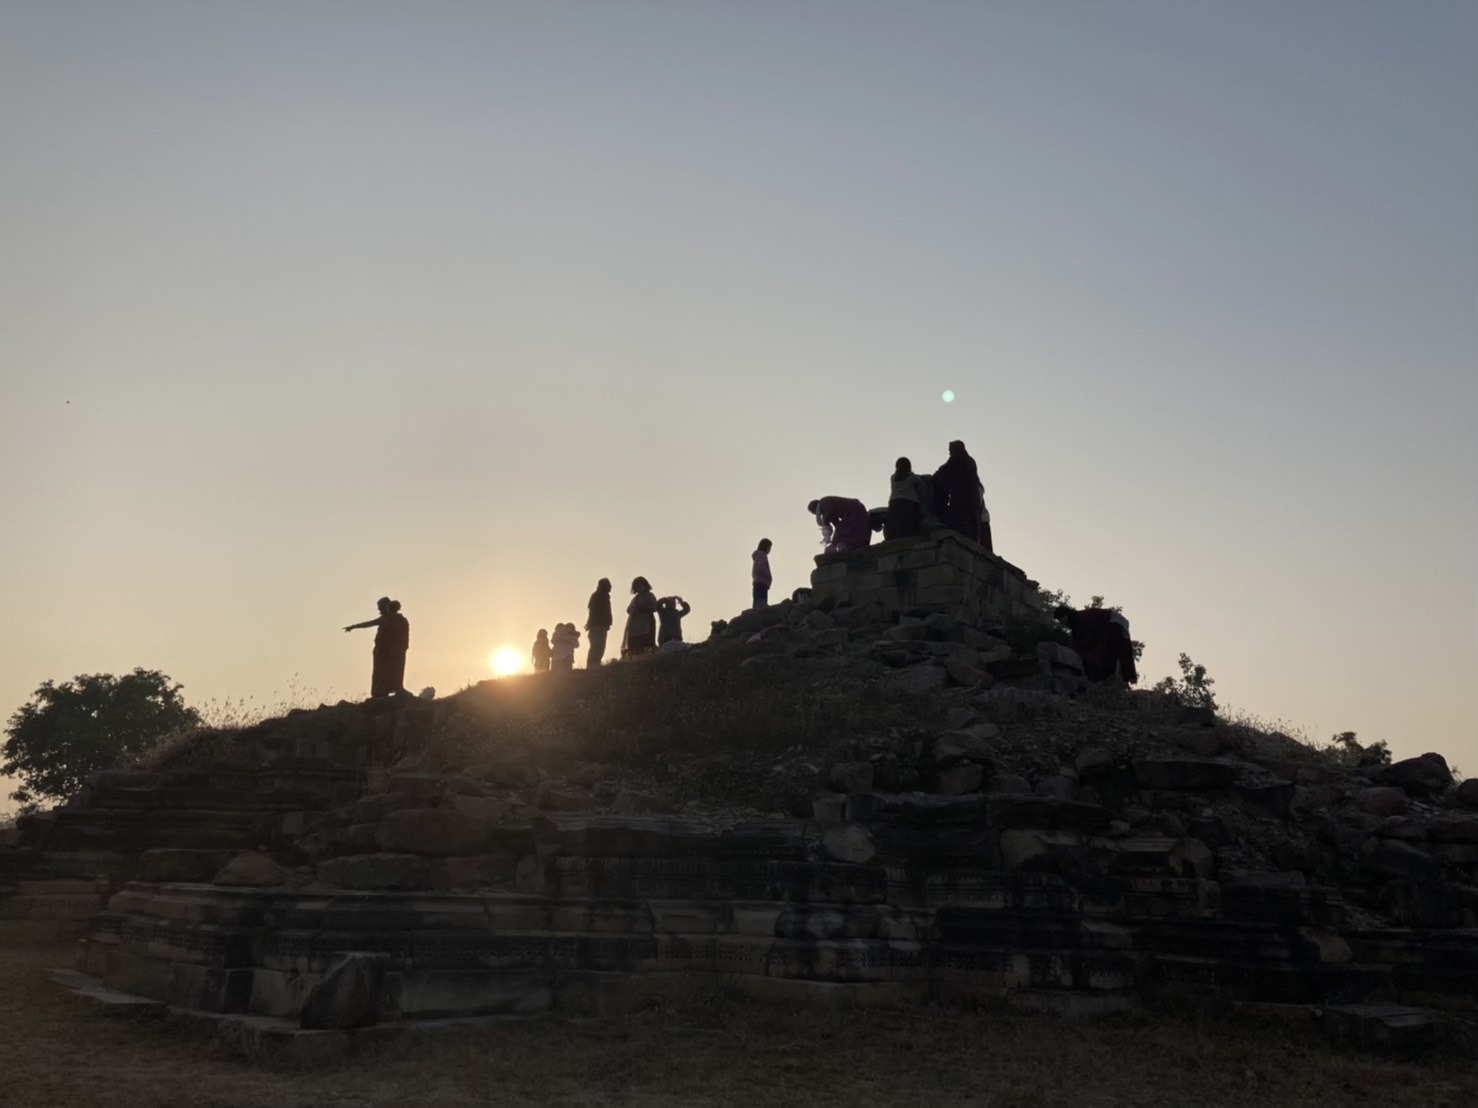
[(506, 661)]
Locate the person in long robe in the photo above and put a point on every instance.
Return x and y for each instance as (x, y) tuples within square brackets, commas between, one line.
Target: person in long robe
[(392, 640), (641, 621), (542, 652), (959, 497), (843, 521)]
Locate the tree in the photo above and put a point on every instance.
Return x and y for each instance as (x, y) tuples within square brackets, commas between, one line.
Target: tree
[(92, 722)]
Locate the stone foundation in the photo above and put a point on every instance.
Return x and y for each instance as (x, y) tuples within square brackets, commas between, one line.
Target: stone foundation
[(939, 572)]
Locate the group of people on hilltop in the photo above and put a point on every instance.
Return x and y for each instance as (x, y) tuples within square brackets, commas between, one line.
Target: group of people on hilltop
[(652, 622), (953, 495), (556, 653)]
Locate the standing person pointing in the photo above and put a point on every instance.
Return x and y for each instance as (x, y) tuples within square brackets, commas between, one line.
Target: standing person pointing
[(392, 640)]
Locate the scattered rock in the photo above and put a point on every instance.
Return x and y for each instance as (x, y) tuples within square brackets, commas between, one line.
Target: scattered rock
[(181, 865), (347, 995), (1057, 787), (1010, 783), (1382, 801), (251, 869), (436, 831), (376, 871), (956, 780), (1379, 1027), (1004, 705), (849, 842), (963, 746), (829, 809), (1094, 764), (1426, 775), (851, 777), (1183, 774), (481, 807), (1467, 793), (918, 680)]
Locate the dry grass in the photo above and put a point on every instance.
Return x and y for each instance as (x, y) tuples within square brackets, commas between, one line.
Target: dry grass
[(55, 1049)]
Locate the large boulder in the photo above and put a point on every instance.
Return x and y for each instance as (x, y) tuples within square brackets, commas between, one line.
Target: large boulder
[(251, 869), (1425, 775), (404, 872), (171, 864), (347, 995), (1467, 793), (435, 831), (1382, 800)]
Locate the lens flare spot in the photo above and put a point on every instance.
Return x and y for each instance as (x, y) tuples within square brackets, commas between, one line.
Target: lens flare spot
[(949, 396), (506, 661)]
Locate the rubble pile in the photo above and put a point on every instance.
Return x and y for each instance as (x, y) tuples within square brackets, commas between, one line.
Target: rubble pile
[(985, 824)]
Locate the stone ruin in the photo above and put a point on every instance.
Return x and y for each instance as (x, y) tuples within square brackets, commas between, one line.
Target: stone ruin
[(321, 874)]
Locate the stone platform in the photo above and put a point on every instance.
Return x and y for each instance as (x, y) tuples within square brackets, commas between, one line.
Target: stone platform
[(939, 572), (968, 898)]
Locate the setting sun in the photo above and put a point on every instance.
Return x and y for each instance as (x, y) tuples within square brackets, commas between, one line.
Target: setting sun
[(506, 661)]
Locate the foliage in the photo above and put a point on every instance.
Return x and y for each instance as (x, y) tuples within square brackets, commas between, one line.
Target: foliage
[(1193, 690), (93, 722), (1352, 752)]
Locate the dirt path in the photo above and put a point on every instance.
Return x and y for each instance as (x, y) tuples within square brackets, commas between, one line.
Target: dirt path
[(56, 1050)]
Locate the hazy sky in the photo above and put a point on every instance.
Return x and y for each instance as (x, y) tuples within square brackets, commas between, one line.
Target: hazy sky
[(306, 302)]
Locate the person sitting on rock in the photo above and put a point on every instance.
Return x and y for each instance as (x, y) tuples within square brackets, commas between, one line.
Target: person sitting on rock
[(392, 640), (959, 497), (843, 522), (641, 621), (566, 639), (1101, 638), (670, 612), (905, 509), (542, 651)]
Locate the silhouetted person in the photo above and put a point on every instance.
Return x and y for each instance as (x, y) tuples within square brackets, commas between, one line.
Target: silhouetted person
[(843, 521), (1101, 638), (641, 621), (959, 497), (392, 640), (760, 575), (670, 612), (598, 625), (542, 651), (905, 507), (565, 640)]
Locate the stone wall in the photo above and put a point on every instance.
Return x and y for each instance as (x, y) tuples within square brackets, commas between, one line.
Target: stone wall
[(938, 572)]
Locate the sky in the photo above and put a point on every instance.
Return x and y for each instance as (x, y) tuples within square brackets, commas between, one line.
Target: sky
[(304, 303)]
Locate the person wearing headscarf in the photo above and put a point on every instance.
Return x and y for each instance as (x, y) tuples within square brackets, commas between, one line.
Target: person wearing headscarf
[(641, 621), (843, 521), (392, 640), (564, 642), (959, 497), (542, 651)]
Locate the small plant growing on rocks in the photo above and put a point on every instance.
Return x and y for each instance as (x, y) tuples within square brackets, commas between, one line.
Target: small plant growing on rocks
[(1193, 690)]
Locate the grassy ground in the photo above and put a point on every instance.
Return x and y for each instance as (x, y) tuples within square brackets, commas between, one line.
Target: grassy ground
[(57, 1050)]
